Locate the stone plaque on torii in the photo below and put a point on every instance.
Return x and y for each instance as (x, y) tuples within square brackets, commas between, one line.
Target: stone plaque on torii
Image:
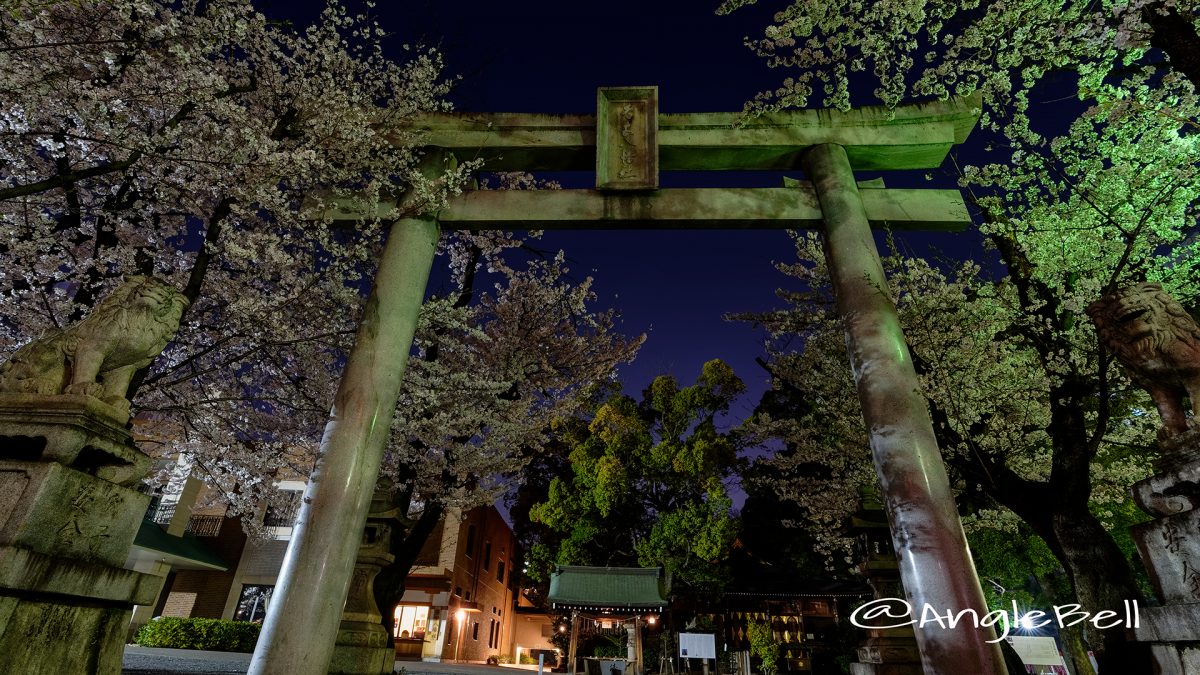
[(628, 143)]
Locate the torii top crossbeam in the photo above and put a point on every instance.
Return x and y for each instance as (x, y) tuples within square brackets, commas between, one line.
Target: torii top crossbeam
[(875, 138), (627, 143)]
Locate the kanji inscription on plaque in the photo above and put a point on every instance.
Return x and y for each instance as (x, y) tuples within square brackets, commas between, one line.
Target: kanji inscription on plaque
[(627, 138)]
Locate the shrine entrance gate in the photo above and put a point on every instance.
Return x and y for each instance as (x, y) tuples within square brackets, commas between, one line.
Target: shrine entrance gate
[(627, 143)]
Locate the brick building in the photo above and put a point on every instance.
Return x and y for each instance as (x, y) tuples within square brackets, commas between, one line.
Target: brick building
[(458, 603), (460, 596)]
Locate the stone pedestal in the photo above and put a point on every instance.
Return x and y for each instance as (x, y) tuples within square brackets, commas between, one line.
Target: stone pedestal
[(1170, 549), (68, 515), (886, 651), (362, 642)]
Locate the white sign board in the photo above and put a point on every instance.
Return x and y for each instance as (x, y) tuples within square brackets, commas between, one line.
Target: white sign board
[(697, 646), (1037, 651)]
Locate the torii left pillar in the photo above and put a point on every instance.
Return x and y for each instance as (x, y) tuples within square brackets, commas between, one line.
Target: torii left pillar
[(297, 636)]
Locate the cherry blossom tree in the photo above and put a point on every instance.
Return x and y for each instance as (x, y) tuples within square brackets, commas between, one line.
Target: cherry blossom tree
[(1074, 199), (1033, 423), (1142, 51), (202, 143), (192, 141), (482, 397)]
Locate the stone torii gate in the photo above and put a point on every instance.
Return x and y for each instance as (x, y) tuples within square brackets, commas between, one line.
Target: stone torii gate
[(627, 143)]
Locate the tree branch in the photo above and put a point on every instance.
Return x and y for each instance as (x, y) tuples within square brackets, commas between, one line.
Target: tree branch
[(64, 180), (1176, 36)]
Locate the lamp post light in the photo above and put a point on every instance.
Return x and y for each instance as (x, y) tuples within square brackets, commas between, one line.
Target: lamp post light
[(461, 615)]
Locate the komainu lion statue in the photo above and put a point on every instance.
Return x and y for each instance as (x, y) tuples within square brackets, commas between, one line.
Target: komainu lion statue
[(1158, 342), (99, 355)]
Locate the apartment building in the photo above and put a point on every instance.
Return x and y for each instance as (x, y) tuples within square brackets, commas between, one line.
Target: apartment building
[(459, 598)]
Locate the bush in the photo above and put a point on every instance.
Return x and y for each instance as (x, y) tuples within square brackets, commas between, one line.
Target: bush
[(764, 646), (216, 635)]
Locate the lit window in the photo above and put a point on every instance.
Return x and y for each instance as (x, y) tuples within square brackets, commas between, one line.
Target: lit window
[(252, 606), (411, 621)]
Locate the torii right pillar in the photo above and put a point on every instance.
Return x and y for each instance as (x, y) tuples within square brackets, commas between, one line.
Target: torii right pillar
[(935, 563)]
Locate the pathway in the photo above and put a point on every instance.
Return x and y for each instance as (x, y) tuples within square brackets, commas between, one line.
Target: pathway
[(150, 661)]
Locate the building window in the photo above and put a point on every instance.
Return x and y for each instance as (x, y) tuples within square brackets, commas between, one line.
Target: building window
[(458, 591), (411, 621), (487, 556), (284, 515), (252, 605), (471, 540), (500, 571), (475, 632)]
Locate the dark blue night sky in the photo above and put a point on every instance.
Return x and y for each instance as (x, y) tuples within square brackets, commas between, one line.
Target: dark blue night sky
[(545, 56)]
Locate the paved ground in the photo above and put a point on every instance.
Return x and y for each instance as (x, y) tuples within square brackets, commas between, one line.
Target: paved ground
[(147, 661)]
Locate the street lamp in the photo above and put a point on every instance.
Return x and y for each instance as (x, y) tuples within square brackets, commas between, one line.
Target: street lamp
[(461, 615)]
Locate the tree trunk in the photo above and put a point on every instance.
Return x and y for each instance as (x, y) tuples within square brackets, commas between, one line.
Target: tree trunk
[(1103, 580), (1097, 569), (1100, 576), (1076, 648), (389, 583)]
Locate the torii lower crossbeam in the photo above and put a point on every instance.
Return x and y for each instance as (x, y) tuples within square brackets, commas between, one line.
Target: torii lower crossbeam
[(689, 208)]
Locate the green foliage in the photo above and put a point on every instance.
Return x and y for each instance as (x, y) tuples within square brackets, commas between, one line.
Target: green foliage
[(539, 559), (1029, 411), (1124, 516), (651, 653), (764, 646), (703, 528), (1009, 560), (845, 640), (216, 635), (646, 484), (610, 646)]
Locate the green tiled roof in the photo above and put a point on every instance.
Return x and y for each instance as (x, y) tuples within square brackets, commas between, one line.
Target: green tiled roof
[(607, 587)]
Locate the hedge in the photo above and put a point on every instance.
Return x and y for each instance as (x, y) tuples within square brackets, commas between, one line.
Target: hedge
[(216, 635)]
